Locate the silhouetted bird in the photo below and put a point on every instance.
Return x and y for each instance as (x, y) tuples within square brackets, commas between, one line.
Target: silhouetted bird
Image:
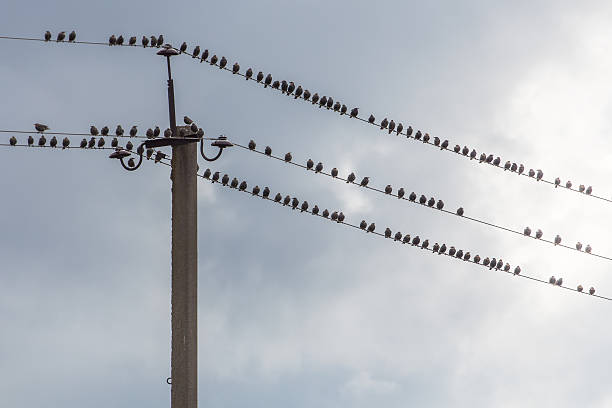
[(460, 211), (592, 291), (589, 190), (252, 144), (260, 76), (315, 210), (486, 261), (288, 157), (473, 154), (459, 254), (409, 131), (364, 181), (513, 167), (242, 186), (400, 193), (319, 167), (40, 127), (531, 173), (416, 240), (578, 246), (418, 135), (42, 141), (93, 131), (452, 251), (387, 233), (222, 62), (398, 236), (214, 59), (431, 202), (391, 127), (132, 41), (53, 142), (290, 88), (507, 165), (215, 176), (286, 200), (483, 157), (422, 199), (334, 172), (568, 184), (65, 143), (153, 41), (235, 68), (306, 95), (521, 169), (363, 224), (322, 101), (371, 227), (325, 213), (371, 119), (507, 267), (47, 35), (539, 175), (268, 151), (579, 288), (144, 41), (425, 244), (298, 92), (351, 178), (457, 148), (557, 240), (330, 102), (442, 249), (444, 145), (354, 112), (119, 131), (278, 197), (61, 36), (489, 158), (133, 131), (412, 196), (255, 190), (388, 189), (527, 231), (304, 206), (101, 142), (334, 216), (560, 282), (539, 234), (343, 109), (13, 140), (83, 143), (207, 173), (168, 132), (196, 52), (294, 203), (406, 239), (120, 40), (477, 259), (309, 164), (497, 161), (552, 280), (268, 80), (557, 182), (400, 127), (249, 73), (588, 249), (92, 143), (440, 205), (517, 270), (225, 179), (426, 138), (266, 192), (275, 84), (72, 36), (129, 145), (436, 141)]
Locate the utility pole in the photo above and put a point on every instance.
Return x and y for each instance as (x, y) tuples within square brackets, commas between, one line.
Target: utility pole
[(184, 359)]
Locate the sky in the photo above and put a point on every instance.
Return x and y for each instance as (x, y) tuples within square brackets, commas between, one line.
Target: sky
[(295, 310)]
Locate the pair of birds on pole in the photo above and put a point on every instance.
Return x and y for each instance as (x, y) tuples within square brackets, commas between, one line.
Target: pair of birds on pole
[(61, 36), (145, 41)]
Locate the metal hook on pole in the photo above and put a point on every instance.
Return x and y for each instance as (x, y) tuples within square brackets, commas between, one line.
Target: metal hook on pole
[(221, 142)]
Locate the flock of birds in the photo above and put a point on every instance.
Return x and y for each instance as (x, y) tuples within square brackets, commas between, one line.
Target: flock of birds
[(318, 168), (539, 234), (61, 36), (339, 217)]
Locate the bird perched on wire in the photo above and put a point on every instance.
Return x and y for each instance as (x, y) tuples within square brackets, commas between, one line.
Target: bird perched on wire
[(299, 91), (235, 68), (444, 145), (557, 182), (65, 143), (388, 189), (442, 249), (460, 211), (248, 74), (187, 120), (416, 240), (588, 249), (83, 143), (364, 182), (557, 240), (278, 197), (559, 282), (168, 132), (588, 190), (371, 119), (391, 127), (294, 203), (287, 200), (334, 172), (42, 141), (72, 36), (315, 210), (354, 112), (440, 205), (40, 128), (196, 52), (431, 202), (578, 246), (204, 56), (214, 59), (101, 142), (112, 40), (268, 151), (132, 41), (351, 178), (288, 157), (225, 179), (290, 88), (252, 145), (133, 131), (329, 103), (267, 81), (521, 169), (92, 143), (507, 165), (149, 133), (527, 231), (388, 233), (412, 196), (284, 86), (371, 227), (539, 234), (539, 175), (319, 167), (266, 192), (215, 177), (120, 40), (129, 145), (47, 35), (400, 193), (119, 131), (309, 164), (406, 239), (13, 141), (61, 36), (592, 291), (477, 259), (207, 173), (422, 199), (242, 186), (260, 77), (145, 41), (334, 216), (222, 63), (255, 190), (497, 161), (183, 47), (384, 123), (517, 270), (325, 213), (304, 206), (322, 101)]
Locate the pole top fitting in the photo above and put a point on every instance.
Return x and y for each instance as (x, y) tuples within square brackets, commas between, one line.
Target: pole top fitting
[(167, 51)]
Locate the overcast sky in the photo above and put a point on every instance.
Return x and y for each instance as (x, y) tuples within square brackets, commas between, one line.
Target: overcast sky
[(294, 310)]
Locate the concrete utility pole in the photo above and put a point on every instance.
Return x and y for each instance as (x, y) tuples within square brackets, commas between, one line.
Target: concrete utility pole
[(184, 360)]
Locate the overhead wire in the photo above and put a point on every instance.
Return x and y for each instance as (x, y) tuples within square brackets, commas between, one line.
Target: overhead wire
[(409, 135), (433, 207), (392, 238)]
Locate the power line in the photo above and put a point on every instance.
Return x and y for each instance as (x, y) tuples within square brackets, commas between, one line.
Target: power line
[(422, 204), (237, 185), (35, 133), (418, 136), (72, 42)]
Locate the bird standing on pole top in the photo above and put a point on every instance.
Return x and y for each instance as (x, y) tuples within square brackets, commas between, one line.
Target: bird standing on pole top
[(187, 120)]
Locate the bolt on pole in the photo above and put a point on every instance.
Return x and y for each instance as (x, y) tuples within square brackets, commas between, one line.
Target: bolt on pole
[(184, 359)]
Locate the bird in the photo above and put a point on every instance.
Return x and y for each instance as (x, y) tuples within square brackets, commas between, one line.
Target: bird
[(129, 145), (268, 151), (406, 239), (436, 247), (391, 127), (457, 148), (539, 175), (581, 188), (489, 158), (120, 40), (207, 173), (354, 112), (65, 143), (187, 120), (513, 167), (252, 145), (527, 231), (560, 282), (101, 142), (298, 92), (260, 76), (416, 240), (517, 270), (119, 131), (588, 249), (557, 240), (290, 88), (473, 154), (319, 167), (387, 233), (168, 132), (521, 169), (400, 127), (284, 86), (409, 131), (460, 211), (412, 196), (222, 62), (400, 193), (194, 128), (371, 227), (418, 135), (422, 199), (42, 141), (425, 244), (304, 206), (204, 56), (294, 203), (40, 127), (267, 81), (83, 143), (144, 41), (255, 190), (61, 36), (112, 40), (568, 184), (371, 119), (363, 224), (306, 94), (104, 131), (325, 213), (477, 259), (92, 143), (248, 74), (133, 131), (47, 35), (486, 261), (531, 173), (214, 59), (235, 68), (266, 192), (388, 189), (579, 288), (337, 107), (507, 267), (431, 202), (592, 291), (156, 131), (364, 181), (13, 140), (578, 246), (155, 42), (196, 52), (309, 164), (315, 210), (444, 145), (557, 182), (497, 161), (72, 36), (275, 84), (483, 157), (242, 186), (215, 176), (322, 101), (225, 179), (334, 172), (343, 109), (132, 41), (93, 131), (459, 254), (452, 251), (552, 280), (539, 234), (288, 157), (149, 133), (442, 249), (286, 200), (330, 102), (334, 216), (351, 178), (507, 165), (588, 190), (440, 205), (398, 236), (278, 197), (426, 138)]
